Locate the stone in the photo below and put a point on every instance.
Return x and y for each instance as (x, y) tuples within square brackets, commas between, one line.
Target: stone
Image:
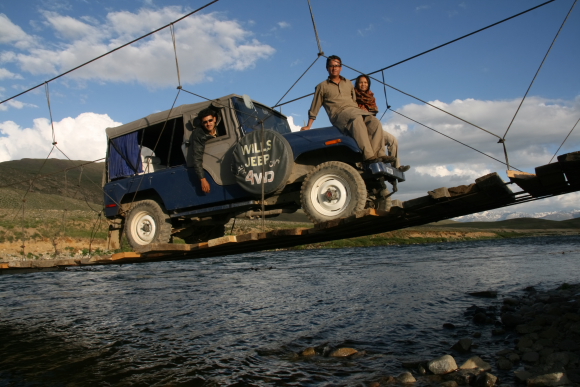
[(442, 365), (546, 351), (504, 364), (531, 357), (510, 301), (310, 351), (572, 316), (558, 357), (448, 326), (503, 352), (477, 335), (522, 375), (480, 318), (524, 329), (485, 379), (568, 345), (449, 383), (462, 377), (513, 357), (463, 345), (553, 379), (484, 294), (406, 378), (497, 331), (476, 362), (525, 342), (343, 352), (511, 320)]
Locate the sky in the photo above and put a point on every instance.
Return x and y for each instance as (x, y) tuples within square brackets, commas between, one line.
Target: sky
[(261, 47)]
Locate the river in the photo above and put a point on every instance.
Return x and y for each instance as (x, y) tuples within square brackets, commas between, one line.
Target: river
[(240, 320)]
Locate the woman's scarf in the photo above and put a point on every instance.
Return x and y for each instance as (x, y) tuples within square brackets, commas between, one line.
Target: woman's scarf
[(366, 101)]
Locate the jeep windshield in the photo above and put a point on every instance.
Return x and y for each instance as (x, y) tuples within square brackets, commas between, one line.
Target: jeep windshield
[(252, 119)]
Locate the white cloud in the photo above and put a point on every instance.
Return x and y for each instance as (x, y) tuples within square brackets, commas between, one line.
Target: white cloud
[(283, 24), (6, 74), (80, 138), (538, 130), (293, 126), (219, 45), (15, 104), (10, 33)]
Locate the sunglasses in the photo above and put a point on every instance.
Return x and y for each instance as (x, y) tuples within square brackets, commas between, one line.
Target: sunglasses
[(207, 121)]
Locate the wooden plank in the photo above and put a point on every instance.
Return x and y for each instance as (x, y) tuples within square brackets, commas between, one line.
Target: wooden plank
[(417, 203), (570, 164), (252, 236), (440, 194), (493, 185), (529, 182), (131, 254), (551, 176), (222, 241), (397, 203), (463, 190), (286, 232), (4, 265)]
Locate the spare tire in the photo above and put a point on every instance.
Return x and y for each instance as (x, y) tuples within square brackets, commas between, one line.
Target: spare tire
[(262, 157)]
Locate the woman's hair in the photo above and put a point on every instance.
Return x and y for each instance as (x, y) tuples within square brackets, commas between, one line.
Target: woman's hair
[(356, 84)]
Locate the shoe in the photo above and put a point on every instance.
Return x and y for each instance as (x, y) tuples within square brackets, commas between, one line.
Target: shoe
[(372, 161), (404, 168), (388, 159)]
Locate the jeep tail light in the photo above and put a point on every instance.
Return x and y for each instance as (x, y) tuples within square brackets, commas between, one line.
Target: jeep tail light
[(111, 205)]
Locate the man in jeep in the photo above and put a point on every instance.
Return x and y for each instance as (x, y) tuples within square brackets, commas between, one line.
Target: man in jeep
[(337, 96), (208, 119)]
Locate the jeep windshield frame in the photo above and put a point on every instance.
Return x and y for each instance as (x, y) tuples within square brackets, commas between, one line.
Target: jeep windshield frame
[(251, 119)]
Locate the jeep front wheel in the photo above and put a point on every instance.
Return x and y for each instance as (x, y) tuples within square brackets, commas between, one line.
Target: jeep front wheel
[(332, 190), (147, 223)]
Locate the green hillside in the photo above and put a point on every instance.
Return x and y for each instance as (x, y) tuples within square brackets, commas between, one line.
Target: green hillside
[(53, 185)]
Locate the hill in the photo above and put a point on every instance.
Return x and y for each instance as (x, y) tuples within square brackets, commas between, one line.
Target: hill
[(517, 224), (74, 180)]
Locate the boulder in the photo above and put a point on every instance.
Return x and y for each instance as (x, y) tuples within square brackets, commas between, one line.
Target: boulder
[(463, 345), (484, 294), (510, 301), (504, 364), (553, 379), (310, 351), (525, 342), (462, 377), (485, 379), (522, 375), (406, 378), (531, 357), (449, 383), (558, 357), (442, 365), (476, 362), (511, 320), (343, 352)]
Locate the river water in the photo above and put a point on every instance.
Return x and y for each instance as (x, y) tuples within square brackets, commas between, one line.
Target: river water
[(239, 320)]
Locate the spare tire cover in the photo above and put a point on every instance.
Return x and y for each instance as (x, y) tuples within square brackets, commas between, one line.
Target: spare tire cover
[(262, 157)]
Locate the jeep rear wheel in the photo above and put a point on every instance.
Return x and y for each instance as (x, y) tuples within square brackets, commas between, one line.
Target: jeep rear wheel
[(332, 190), (147, 223)]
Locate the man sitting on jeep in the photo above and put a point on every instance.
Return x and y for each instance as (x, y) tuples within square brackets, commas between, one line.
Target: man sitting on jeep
[(208, 119), (337, 96)]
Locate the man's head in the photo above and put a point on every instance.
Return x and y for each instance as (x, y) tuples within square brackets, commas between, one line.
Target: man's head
[(208, 119), (333, 65)]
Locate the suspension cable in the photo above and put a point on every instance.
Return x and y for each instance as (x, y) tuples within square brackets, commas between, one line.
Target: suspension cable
[(298, 80), (451, 138), (172, 28), (320, 52), (539, 68), (113, 50), (574, 127)]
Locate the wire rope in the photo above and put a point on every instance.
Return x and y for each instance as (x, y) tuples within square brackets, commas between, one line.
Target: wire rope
[(539, 68), (569, 133), (320, 52), (298, 80), (113, 50)]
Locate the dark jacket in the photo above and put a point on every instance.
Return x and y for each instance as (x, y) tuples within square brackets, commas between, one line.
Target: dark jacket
[(198, 139)]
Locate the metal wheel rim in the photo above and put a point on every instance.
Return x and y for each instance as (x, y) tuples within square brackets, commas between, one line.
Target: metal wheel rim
[(337, 185), (144, 228)]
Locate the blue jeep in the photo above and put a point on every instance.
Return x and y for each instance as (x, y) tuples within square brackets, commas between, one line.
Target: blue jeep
[(256, 167)]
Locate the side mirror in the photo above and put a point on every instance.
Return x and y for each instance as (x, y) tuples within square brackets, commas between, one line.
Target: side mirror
[(248, 101)]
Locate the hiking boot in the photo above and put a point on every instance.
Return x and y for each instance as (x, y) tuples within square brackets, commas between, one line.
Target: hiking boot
[(404, 168)]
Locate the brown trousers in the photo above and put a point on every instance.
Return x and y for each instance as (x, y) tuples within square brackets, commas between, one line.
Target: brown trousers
[(367, 131), (392, 145)]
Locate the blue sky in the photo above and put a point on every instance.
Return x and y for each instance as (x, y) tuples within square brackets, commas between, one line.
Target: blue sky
[(261, 47)]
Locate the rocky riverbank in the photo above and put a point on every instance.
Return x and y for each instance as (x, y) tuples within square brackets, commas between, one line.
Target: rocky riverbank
[(538, 330)]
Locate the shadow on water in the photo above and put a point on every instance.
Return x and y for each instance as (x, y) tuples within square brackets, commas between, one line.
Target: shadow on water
[(243, 320)]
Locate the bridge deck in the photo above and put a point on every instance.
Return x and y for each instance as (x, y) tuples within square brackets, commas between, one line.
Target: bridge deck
[(488, 192)]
